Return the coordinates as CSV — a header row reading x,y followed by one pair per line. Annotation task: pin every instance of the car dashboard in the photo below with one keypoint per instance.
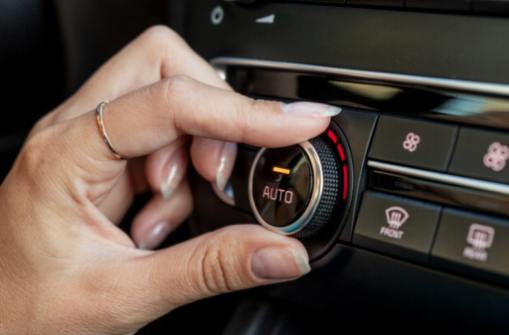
x,y
420,213
402,203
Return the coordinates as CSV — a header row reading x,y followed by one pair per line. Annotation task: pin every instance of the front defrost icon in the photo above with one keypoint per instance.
x,y
395,217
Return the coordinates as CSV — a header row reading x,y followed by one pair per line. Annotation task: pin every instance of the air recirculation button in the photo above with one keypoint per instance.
x,y
297,190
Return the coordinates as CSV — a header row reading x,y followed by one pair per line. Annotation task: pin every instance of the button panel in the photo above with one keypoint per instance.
x,y
411,142
396,226
473,168
473,240
481,154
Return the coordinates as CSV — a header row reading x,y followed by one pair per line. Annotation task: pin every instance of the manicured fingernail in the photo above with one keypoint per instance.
x,y
175,170
155,235
311,109
226,163
280,263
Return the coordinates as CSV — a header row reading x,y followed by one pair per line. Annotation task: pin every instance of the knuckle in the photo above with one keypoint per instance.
x,y
244,114
44,153
260,105
215,279
160,35
35,152
218,267
172,91
44,122
156,33
177,85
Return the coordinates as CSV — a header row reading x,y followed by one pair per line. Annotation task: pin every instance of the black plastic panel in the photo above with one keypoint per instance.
x,y
358,289
406,99
449,5
438,45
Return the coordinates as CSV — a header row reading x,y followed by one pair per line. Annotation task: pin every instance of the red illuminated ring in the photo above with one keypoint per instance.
x,y
344,164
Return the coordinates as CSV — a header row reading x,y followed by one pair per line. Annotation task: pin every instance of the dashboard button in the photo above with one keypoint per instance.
x,y
282,184
297,189
396,226
412,142
473,240
439,4
481,154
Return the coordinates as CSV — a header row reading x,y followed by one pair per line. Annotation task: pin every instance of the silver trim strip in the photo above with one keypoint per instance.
x,y
451,84
481,185
316,194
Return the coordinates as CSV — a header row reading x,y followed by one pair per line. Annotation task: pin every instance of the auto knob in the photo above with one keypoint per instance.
x,y
296,190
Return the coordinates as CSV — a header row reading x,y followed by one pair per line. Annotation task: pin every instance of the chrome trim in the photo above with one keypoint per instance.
x,y
452,84
480,185
316,194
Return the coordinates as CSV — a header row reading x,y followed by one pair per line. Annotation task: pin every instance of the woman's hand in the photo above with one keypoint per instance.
x,y
65,267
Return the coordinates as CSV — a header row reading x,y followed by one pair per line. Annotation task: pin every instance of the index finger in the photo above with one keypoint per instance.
x,y
144,121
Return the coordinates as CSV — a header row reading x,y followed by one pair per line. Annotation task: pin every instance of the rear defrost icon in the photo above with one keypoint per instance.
x,y
480,239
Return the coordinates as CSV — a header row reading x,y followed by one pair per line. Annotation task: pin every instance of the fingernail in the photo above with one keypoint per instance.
x,y
311,109
279,263
175,171
226,163
155,236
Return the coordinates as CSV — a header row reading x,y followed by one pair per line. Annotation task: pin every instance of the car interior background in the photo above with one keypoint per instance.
x,y
403,203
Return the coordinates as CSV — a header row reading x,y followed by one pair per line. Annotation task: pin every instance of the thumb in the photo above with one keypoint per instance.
x,y
229,259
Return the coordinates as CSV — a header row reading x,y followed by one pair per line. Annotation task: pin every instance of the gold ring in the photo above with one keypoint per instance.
x,y
99,113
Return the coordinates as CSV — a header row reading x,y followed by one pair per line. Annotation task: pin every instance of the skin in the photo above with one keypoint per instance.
x,y
65,266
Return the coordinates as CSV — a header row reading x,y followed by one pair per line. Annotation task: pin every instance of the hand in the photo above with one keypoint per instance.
x,y
65,266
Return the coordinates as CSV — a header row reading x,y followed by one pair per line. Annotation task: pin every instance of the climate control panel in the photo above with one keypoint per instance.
x,y
424,129
430,188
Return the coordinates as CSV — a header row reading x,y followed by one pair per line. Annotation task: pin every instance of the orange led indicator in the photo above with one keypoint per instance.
x,y
281,170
